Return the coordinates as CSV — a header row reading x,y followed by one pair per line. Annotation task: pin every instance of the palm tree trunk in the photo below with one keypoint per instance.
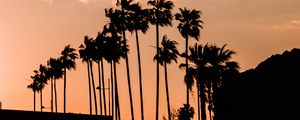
x,y
118,115
34,101
209,100
104,96
186,70
55,95
65,88
198,100
90,93
127,69
157,72
94,89
41,98
140,74
112,89
100,88
51,95
202,98
167,91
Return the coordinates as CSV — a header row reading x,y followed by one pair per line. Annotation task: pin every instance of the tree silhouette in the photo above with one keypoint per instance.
x,y
167,53
199,57
137,20
189,26
86,53
159,15
186,112
54,72
34,86
125,8
68,57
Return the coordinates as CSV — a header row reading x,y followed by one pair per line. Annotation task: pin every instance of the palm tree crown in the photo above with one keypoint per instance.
x,y
189,23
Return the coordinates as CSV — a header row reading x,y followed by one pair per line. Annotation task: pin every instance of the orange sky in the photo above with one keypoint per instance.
x,y
32,31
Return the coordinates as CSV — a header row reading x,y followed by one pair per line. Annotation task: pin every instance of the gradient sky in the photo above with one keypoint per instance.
x,y
32,31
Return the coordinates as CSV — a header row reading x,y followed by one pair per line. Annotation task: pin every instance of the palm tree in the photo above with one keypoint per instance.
x,y
137,20
189,26
100,44
125,8
41,79
186,112
167,53
220,63
116,50
68,57
160,15
54,72
199,57
34,86
86,53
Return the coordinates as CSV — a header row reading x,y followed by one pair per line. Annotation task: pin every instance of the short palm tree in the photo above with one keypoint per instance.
x,y
199,58
34,86
159,15
189,26
41,79
68,57
220,63
54,72
167,53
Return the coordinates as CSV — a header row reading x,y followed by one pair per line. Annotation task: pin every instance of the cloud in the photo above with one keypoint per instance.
x,y
48,1
288,25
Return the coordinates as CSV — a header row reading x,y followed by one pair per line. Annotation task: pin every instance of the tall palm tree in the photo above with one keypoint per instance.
x,y
125,8
54,72
137,20
86,53
189,26
159,15
167,53
68,57
98,58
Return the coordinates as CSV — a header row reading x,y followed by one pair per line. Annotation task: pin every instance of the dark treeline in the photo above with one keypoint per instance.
x,y
269,91
221,91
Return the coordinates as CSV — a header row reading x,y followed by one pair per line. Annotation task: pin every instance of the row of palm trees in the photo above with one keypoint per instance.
x,y
56,68
209,62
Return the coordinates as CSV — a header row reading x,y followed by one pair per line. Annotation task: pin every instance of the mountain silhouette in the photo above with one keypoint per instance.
x,y
269,91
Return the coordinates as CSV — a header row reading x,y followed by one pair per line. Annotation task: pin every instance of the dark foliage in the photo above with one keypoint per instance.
x,y
270,91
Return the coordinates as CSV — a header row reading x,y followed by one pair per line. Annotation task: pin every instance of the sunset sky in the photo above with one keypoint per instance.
x,y
32,31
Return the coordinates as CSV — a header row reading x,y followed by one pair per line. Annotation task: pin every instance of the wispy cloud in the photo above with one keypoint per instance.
x,y
288,25
48,1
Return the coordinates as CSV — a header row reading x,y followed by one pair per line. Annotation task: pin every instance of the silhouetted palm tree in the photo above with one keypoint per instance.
x,y
219,59
54,72
34,86
137,20
189,26
125,8
199,57
167,53
186,112
86,53
41,79
100,44
160,15
68,57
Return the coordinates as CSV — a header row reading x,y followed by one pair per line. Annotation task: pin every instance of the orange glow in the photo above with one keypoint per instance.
x,y
32,31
